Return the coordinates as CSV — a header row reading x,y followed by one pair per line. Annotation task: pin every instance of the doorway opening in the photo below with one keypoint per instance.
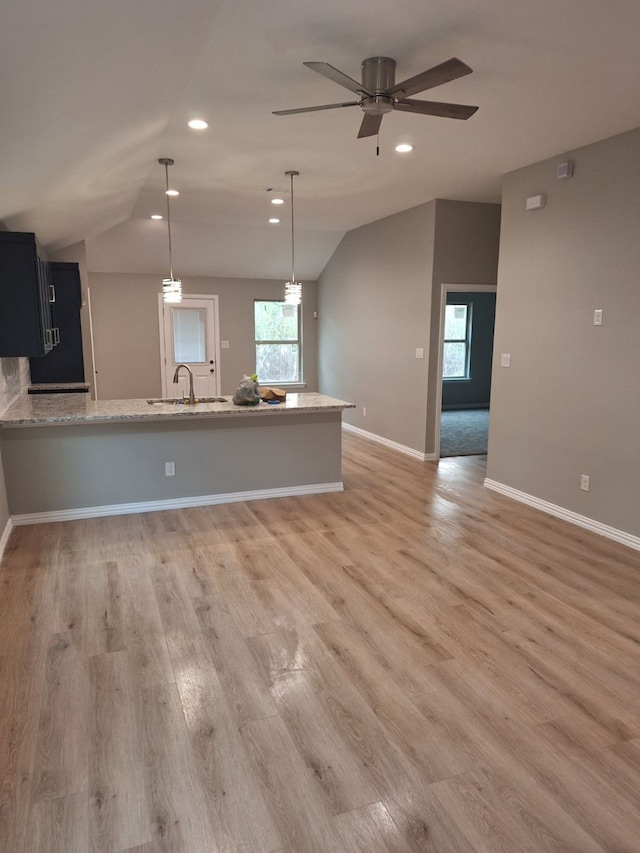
x,y
464,371
189,334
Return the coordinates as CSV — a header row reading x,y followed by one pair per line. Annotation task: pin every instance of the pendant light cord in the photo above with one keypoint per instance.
x,y
166,169
293,251
292,289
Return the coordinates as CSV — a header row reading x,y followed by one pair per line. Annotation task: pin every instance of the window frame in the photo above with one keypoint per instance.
x,y
282,342
466,340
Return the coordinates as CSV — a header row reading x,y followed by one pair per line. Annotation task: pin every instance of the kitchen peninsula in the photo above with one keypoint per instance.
x,y
65,456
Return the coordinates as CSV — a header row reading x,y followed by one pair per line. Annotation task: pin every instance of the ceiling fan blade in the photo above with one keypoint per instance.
x,y
436,76
315,109
338,77
370,125
435,108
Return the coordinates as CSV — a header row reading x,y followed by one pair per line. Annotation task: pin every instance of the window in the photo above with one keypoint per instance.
x,y
189,335
457,341
277,335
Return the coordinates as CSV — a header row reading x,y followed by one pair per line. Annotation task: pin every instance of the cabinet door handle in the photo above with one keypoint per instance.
x,y
56,336
52,295
48,339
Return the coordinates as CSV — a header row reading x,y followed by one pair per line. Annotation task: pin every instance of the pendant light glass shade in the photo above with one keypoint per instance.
x,y
171,287
171,290
293,288
293,292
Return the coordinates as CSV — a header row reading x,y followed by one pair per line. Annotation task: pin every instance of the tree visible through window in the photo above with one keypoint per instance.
x,y
457,339
277,336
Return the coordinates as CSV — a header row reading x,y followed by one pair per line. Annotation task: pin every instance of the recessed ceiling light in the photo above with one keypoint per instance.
x,y
172,192
274,220
156,216
277,201
198,124
404,147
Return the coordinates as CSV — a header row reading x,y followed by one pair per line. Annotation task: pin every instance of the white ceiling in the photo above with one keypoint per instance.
x,y
94,91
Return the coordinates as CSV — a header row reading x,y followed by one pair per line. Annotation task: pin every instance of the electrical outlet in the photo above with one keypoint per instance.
x,y
585,482
597,317
505,359
169,469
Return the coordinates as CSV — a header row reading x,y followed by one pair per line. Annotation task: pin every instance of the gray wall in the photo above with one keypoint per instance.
x,y
570,402
380,299
76,466
374,304
126,331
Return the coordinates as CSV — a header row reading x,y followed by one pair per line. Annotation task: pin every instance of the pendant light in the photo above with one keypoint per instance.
x,y
293,288
171,287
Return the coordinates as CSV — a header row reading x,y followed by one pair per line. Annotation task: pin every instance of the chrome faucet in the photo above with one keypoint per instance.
x,y
192,396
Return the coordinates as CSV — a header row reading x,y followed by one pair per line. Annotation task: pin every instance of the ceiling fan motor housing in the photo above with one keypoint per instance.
x,y
378,73
378,76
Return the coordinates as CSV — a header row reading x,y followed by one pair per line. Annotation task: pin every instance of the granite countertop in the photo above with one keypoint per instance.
x,y
46,410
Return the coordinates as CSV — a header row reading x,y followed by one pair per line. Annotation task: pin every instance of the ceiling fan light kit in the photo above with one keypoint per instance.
x,y
379,94
171,287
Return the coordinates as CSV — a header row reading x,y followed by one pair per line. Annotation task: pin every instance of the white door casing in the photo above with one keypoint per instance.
x,y
189,334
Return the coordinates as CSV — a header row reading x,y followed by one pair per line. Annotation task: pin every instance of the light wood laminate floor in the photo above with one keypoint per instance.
x,y
417,664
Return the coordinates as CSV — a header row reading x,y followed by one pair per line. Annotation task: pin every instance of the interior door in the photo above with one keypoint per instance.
x,y
190,336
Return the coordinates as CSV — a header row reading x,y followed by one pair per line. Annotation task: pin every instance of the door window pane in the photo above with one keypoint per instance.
x,y
189,335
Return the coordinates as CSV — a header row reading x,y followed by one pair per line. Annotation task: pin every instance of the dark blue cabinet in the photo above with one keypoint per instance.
x,y
26,295
64,364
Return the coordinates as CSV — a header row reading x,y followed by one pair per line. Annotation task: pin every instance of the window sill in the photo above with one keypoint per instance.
x,y
457,379
289,386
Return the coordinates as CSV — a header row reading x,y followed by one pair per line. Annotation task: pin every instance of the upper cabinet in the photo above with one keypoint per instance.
x,y
64,364
26,297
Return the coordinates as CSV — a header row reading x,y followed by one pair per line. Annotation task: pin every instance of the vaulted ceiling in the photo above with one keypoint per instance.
x,y
93,92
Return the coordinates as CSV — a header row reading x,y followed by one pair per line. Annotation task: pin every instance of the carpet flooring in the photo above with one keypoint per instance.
x,y
464,432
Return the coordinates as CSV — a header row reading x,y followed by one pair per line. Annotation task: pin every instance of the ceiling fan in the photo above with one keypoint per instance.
x,y
379,93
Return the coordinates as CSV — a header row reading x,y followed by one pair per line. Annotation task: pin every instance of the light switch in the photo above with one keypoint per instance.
x,y
505,359
419,352
597,317
224,344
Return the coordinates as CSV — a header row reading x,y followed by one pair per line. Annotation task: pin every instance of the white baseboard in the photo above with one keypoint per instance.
x,y
177,503
566,514
401,448
5,536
